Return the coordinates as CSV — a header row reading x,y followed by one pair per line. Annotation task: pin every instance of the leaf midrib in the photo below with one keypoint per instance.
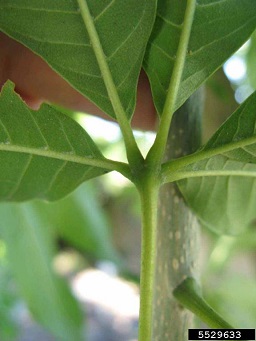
x,y
208,173
70,157
203,154
38,9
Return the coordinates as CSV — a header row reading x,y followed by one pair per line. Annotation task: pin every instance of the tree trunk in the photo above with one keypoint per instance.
x,y
177,232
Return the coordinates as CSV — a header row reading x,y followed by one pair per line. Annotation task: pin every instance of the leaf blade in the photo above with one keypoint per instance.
x,y
225,203
44,154
233,197
210,32
56,32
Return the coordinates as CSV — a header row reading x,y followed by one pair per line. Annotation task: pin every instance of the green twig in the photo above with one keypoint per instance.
x,y
156,153
149,196
189,295
133,153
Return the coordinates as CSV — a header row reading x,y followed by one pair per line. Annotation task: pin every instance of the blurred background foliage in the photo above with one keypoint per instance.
x,y
44,245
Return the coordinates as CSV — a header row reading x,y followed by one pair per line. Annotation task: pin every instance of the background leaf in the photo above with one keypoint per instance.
x,y
219,29
56,32
81,221
232,297
30,250
8,299
36,150
251,61
226,203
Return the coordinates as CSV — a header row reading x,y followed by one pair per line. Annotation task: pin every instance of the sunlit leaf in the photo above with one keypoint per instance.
x,y
30,251
224,194
219,29
55,31
43,153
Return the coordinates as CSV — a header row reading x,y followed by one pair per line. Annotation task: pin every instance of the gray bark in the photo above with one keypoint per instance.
x,y
178,231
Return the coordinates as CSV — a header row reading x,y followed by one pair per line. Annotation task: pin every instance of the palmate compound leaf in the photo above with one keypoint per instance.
x,y
42,153
221,189
220,27
55,31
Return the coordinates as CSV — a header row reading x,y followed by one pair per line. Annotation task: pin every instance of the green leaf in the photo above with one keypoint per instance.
x,y
44,154
81,221
221,185
219,29
30,250
224,203
250,62
8,299
237,136
55,31
233,296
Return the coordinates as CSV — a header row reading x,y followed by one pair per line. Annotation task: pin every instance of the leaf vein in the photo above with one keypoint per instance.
x,y
39,129
179,26
55,176
104,10
250,152
81,179
127,38
6,131
213,3
192,53
153,70
52,42
172,58
38,9
125,78
73,151
23,172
